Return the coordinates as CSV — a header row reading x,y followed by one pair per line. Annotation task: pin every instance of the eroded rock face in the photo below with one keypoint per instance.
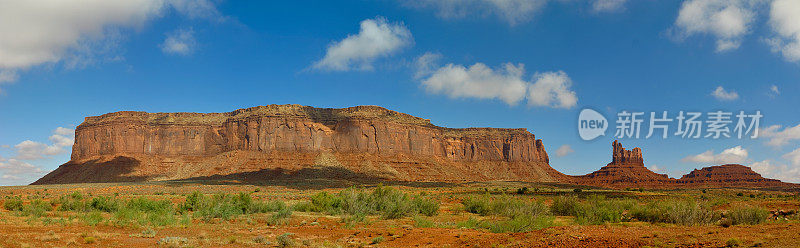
x,y
733,175
186,145
625,170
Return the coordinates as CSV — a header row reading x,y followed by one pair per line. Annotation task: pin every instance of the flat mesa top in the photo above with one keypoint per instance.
x,y
321,115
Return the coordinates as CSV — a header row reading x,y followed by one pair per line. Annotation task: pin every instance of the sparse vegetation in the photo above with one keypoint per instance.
x,y
748,215
388,202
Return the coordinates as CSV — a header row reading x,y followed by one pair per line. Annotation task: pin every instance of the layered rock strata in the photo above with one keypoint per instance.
x,y
364,141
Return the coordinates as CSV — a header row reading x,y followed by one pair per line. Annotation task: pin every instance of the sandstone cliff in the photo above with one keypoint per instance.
x,y
270,141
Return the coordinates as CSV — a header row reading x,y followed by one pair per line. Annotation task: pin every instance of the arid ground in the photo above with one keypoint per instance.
x,y
339,214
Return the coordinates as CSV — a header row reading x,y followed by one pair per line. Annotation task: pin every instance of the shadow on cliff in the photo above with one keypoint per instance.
x,y
94,171
307,178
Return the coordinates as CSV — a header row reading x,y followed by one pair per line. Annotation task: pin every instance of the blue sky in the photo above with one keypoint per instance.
x,y
512,63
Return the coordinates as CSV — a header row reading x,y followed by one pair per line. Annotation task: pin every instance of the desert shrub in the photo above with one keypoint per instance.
x,y
598,210
422,222
388,202
565,206
377,240
267,206
36,208
280,216
192,202
522,215
675,212
285,240
92,218
72,202
747,215
104,204
143,211
504,206
13,204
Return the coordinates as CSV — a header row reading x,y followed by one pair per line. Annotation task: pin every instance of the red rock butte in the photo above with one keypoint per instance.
x,y
274,141
627,169
371,143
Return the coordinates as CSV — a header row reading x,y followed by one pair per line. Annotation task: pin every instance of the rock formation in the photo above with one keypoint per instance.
x,y
731,175
625,170
265,142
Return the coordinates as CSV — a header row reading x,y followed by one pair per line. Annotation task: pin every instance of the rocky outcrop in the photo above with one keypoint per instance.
x,y
625,170
363,140
731,175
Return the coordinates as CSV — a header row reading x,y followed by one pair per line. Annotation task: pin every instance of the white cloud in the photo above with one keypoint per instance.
x,y
777,170
505,83
512,11
793,157
426,64
721,94
552,89
180,42
8,76
734,155
479,81
608,5
75,31
778,137
774,90
785,22
376,38
727,20
61,139
656,168
564,150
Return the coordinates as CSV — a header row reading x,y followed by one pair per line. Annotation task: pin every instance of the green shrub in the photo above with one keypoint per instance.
x,y
388,202
504,206
36,208
267,206
280,216
747,215
92,218
285,240
71,202
520,224
565,206
598,210
13,204
104,204
675,212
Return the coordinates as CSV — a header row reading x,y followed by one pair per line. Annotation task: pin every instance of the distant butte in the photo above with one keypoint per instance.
x,y
367,143
627,170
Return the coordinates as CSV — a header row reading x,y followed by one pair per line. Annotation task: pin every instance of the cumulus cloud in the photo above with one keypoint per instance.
x,y
785,22
727,20
793,157
52,32
777,137
511,11
552,89
734,155
61,139
564,150
721,94
179,42
774,90
376,38
505,83
777,170
608,5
